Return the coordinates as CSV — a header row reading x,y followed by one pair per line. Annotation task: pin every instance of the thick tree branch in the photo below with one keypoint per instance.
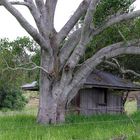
x,y
25,24
112,47
40,5
115,50
116,20
88,21
81,10
69,46
50,8
39,20
85,36
34,11
36,15
19,3
44,16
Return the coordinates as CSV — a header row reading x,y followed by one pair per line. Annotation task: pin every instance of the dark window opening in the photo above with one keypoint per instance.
x,y
103,98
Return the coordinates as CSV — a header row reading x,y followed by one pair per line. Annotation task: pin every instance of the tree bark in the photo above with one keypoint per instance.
x,y
51,108
52,112
61,113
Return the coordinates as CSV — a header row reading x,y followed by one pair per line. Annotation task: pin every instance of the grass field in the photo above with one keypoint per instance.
x,y
15,125
105,127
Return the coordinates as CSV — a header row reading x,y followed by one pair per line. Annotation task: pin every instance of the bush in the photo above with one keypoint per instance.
x,y
11,98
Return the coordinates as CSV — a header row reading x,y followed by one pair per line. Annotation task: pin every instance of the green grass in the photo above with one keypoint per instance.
x,y
15,125
104,127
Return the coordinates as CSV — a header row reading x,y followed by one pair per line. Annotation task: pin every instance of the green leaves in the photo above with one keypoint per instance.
x,y
11,98
107,8
17,53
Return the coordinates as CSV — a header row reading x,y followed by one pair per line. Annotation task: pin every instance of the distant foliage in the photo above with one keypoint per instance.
x,y
14,56
11,98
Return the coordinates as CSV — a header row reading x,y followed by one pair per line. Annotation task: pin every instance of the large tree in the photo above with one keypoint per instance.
x,y
61,76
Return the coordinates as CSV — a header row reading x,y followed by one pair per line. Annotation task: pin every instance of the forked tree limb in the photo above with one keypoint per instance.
x,y
109,23
80,49
41,6
81,10
69,46
87,23
85,36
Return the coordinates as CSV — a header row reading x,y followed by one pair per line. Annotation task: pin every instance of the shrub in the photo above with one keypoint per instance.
x,y
11,98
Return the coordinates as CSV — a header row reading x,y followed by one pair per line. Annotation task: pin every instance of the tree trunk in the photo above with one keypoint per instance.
x,y
61,113
51,109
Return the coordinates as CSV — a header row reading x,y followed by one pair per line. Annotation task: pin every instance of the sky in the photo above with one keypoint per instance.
x,y
11,29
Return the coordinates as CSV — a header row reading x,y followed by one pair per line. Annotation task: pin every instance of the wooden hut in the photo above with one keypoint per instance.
x,y
103,93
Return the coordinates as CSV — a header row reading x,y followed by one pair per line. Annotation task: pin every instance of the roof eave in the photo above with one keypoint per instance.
x,y
89,85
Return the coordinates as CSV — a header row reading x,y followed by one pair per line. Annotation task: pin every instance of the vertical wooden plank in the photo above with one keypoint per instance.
x,y
114,103
108,101
94,100
89,101
111,103
83,102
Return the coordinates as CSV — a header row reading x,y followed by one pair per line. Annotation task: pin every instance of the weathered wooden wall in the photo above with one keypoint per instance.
x,y
114,103
93,101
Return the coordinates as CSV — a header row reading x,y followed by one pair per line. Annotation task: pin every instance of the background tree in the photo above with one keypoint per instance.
x,y
61,76
14,58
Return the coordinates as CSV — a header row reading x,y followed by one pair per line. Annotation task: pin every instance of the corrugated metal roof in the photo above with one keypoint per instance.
x,y
107,80
30,86
99,79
